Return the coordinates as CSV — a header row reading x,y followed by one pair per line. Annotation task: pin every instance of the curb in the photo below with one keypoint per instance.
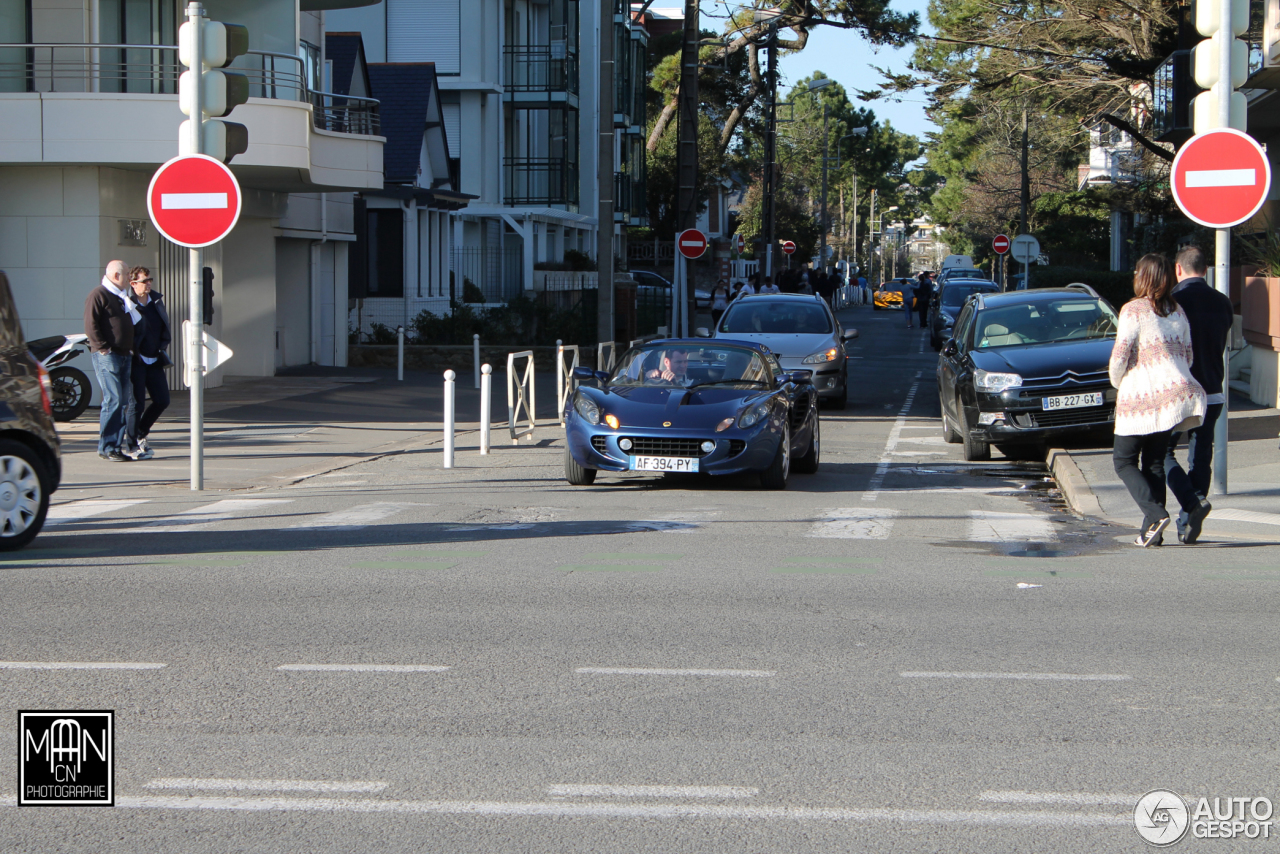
x,y
1071,481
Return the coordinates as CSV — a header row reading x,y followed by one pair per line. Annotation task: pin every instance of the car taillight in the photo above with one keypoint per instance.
x,y
46,389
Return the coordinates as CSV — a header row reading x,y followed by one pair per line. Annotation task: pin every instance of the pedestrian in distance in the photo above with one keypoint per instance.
x,y
719,301
109,318
924,293
1156,394
769,287
908,299
152,338
1210,316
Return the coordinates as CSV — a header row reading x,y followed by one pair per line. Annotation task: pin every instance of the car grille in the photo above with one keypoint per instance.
x,y
1068,380
644,446
736,446
799,411
600,443
1066,417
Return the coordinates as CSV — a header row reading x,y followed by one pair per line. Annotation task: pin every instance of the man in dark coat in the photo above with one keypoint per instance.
x,y
1210,315
152,338
109,318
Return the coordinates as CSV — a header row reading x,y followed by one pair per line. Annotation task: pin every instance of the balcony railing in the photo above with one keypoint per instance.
x,y
541,181
154,70
541,68
1171,99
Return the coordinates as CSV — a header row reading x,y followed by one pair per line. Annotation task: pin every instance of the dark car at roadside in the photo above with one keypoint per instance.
x,y
30,452
947,302
1023,367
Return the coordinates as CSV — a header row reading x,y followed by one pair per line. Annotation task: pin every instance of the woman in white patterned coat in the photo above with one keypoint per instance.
x,y
1151,368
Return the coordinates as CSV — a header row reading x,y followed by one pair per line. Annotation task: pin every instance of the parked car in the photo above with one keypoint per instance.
x,y
801,331
701,296
1025,366
946,305
693,406
30,452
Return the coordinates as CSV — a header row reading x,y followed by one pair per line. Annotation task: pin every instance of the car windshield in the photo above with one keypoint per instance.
x,y
1044,322
688,365
776,316
954,295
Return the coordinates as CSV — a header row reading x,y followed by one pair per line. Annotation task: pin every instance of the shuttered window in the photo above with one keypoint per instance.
x,y
425,31
452,128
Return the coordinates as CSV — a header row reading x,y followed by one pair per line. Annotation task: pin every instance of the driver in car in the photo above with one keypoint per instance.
x,y
674,370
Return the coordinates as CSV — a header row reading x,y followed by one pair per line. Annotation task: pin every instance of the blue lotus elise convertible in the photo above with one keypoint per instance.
x,y
693,405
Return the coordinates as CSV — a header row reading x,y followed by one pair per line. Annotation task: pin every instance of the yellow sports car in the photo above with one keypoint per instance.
x,y
889,294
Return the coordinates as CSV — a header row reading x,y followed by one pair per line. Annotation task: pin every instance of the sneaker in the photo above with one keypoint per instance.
x,y
117,457
142,452
1195,521
1153,535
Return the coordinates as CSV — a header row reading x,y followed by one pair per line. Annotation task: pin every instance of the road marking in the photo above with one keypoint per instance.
x,y
1221,178
79,665
203,517
1229,515
263,785
990,526
1050,677
193,201
560,809
366,668
355,518
73,511
709,792
1079,799
668,671
855,523
882,468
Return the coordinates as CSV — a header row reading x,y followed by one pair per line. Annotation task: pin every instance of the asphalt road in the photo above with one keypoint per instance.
x,y
903,652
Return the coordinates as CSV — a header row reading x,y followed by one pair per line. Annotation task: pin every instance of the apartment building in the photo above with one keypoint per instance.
x,y
89,110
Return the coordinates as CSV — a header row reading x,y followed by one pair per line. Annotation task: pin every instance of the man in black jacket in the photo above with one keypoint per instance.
x,y
1211,316
109,317
152,338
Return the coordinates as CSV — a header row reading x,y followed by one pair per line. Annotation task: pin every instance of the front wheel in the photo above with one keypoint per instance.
x,y
975,450
577,475
71,393
808,464
24,496
775,476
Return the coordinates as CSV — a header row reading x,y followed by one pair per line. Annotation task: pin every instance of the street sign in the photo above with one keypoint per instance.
x,y
692,243
1221,178
194,200
789,246
215,352
740,244
1000,244
1026,249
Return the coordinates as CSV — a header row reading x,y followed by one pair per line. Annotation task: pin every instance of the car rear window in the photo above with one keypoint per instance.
x,y
780,317
954,295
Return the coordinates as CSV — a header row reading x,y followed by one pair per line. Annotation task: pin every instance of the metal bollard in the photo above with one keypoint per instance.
x,y
486,382
475,356
449,377
400,353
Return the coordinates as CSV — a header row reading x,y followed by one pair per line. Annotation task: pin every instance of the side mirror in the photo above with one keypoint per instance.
x,y
802,377
701,332
848,335
584,374
603,376
950,347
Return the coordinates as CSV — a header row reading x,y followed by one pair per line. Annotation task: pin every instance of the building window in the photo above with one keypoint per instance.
x,y
386,252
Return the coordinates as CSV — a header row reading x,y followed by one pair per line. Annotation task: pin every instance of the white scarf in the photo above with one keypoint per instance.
x,y
134,315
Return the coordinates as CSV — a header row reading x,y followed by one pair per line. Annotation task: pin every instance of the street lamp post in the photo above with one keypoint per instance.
x,y
814,86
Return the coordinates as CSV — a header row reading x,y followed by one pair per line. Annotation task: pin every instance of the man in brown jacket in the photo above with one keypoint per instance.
x,y
109,316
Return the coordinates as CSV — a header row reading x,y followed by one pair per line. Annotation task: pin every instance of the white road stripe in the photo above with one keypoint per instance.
x,y
79,665
989,526
193,201
1229,515
1050,677
855,523
263,785
1075,799
1222,177
209,514
560,809
882,468
354,518
668,671
708,792
73,511
368,668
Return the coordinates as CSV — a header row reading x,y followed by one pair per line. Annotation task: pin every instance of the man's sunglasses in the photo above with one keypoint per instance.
x,y
141,281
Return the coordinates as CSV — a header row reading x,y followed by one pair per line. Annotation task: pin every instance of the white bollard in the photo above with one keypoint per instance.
x,y
449,377
475,356
486,382
560,376
400,353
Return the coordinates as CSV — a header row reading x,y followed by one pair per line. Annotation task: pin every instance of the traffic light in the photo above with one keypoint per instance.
x,y
205,47
206,293
1206,62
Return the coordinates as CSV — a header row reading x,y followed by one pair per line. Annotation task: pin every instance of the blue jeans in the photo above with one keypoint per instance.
x,y
112,370
1191,487
906,304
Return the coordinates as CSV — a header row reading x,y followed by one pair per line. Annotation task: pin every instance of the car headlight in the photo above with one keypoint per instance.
x,y
586,408
753,414
990,381
820,358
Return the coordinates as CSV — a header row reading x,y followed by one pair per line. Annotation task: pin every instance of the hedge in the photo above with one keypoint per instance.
x,y
1115,286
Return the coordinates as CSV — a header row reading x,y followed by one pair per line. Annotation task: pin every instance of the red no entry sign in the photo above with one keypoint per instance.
x,y
740,244
692,243
1000,244
194,200
789,246
1221,178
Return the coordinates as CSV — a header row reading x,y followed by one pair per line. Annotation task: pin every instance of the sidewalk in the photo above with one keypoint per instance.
x,y
1250,510
270,431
